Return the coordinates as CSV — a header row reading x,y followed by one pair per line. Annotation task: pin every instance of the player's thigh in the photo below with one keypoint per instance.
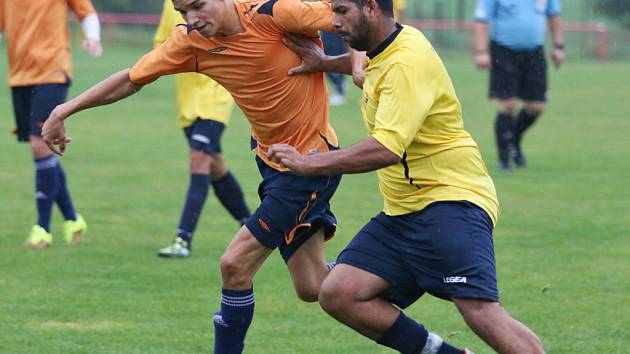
x,y
377,250
243,256
45,98
21,97
353,283
293,208
308,263
533,86
504,73
450,251
205,135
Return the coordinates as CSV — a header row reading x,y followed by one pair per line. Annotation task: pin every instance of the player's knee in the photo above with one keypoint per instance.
x,y
534,111
479,313
307,292
234,273
334,298
217,167
39,148
508,106
199,162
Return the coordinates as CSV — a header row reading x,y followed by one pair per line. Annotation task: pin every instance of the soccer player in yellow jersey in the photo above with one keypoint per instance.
x,y
204,111
435,232
238,43
40,72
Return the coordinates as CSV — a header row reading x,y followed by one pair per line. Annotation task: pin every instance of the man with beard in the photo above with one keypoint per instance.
x,y
440,206
238,44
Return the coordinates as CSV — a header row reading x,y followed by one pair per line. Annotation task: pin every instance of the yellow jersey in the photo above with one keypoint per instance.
x,y
409,105
198,96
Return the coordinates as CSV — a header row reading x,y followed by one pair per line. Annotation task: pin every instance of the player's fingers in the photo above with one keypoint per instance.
x,y
297,70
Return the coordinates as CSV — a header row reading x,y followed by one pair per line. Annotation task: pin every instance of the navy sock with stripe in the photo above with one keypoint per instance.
x,y
46,188
63,197
232,322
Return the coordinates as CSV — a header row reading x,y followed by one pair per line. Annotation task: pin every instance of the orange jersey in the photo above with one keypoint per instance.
x,y
38,39
252,66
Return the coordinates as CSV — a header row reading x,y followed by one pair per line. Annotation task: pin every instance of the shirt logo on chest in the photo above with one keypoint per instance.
x,y
217,49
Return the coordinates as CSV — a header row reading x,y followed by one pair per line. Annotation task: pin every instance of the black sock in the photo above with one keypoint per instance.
x,y
504,135
229,193
405,335
524,120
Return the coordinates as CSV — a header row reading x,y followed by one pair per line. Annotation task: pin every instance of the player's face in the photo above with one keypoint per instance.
x,y
205,16
351,23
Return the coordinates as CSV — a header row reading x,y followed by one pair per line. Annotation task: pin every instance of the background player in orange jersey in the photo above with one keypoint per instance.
x,y
40,72
238,43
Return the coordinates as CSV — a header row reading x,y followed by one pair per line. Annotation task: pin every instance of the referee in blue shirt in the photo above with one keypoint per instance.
x,y
509,38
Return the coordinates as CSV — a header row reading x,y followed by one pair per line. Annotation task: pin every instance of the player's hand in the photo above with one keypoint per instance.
x,y
482,60
287,156
54,132
359,63
312,55
558,55
93,47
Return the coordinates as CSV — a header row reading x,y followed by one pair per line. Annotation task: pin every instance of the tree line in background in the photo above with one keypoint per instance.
x,y
129,6
617,9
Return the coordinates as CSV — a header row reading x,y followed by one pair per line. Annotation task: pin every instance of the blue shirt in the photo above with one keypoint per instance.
x,y
517,24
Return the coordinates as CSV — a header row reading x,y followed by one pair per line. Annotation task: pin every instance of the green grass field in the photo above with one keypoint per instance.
x,y
565,227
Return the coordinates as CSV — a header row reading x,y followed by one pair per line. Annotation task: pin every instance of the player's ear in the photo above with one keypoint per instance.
x,y
370,7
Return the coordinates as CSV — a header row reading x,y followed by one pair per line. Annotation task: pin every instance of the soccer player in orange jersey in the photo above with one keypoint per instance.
x,y
238,43
40,72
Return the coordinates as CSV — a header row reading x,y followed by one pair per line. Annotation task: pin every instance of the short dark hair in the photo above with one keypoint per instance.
x,y
387,6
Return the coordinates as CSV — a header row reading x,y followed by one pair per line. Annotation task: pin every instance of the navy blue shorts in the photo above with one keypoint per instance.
x,y
32,106
521,74
292,209
205,134
445,250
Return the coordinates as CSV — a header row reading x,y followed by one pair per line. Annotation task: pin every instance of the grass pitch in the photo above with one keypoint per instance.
x,y
561,243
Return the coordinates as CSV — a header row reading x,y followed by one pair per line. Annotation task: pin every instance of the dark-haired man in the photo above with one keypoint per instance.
x,y
435,232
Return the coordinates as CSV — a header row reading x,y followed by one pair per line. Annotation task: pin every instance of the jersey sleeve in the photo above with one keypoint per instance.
x,y
81,8
405,100
170,18
175,55
1,16
553,8
302,17
484,10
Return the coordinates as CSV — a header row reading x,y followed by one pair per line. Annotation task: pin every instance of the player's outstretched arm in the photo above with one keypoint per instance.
x,y
313,57
367,155
110,90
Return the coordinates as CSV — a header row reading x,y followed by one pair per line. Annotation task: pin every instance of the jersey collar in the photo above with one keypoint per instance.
x,y
384,44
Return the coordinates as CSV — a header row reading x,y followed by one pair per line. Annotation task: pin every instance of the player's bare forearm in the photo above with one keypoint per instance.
x,y
368,155
555,28
340,64
480,36
110,90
